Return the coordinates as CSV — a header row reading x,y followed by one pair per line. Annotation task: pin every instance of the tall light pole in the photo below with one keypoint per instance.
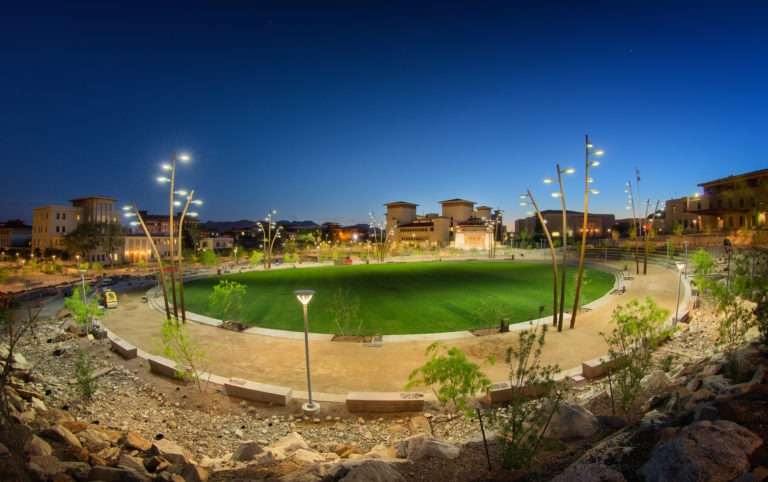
x,y
85,300
304,297
184,213
551,249
589,151
161,276
680,268
380,235
268,237
648,228
561,195
634,225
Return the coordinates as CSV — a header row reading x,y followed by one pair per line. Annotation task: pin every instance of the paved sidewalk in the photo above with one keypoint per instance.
x,y
340,367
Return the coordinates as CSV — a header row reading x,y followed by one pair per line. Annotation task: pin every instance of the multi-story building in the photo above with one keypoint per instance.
x,y
736,203
51,223
459,225
687,213
598,225
15,235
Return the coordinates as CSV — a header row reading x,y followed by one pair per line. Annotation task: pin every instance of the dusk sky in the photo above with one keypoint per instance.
x,y
325,111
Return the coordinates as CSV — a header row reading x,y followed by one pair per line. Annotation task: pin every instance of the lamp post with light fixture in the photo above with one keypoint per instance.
x,y
153,245
268,237
589,151
551,249
564,237
184,213
634,225
304,297
172,180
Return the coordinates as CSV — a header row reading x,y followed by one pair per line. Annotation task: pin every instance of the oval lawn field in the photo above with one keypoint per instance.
x,y
399,298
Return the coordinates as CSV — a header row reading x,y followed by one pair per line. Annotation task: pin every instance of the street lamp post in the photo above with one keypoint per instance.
x,y
268,238
304,297
184,213
561,195
634,226
680,268
551,249
85,300
587,164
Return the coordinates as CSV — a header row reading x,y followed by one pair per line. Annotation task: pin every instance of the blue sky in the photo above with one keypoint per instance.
x,y
325,111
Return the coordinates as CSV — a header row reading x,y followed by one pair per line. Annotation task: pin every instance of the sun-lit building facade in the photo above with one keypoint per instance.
x,y
459,225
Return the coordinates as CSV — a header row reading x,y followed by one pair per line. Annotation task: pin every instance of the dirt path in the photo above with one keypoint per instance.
x,y
339,367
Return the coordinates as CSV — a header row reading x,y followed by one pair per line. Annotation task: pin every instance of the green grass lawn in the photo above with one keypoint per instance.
x,y
399,298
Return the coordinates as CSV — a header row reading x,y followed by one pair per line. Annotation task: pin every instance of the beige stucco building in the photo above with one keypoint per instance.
x,y
51,223
598,225
459,225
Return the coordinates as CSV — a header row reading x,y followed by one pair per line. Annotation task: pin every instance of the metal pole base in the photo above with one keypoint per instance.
x,y
310,409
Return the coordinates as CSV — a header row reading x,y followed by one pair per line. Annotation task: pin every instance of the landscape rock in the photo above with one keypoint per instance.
x,y
114,474
703,451
133,440
37,446
424,446
60,434
372,471
171,452
589,473
247,451
574,421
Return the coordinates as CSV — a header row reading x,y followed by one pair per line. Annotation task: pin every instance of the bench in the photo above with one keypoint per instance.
x,y
503,392
123,348
162,366
597,367
385,401
258,392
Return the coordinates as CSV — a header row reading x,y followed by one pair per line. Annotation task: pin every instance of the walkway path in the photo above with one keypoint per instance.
x,y
339,367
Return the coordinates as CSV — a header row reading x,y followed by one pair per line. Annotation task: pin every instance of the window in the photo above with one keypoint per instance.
x,y
57,215
57,229
63,215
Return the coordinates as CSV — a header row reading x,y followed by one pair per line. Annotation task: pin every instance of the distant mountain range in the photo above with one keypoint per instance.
x,y
246,224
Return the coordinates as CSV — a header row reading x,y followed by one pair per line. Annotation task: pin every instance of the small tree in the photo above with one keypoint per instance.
x,y
631,344
457,378
702,262
256,257
227,299
489,313
345,312
83,311
191,360
522,424
209,258
84,375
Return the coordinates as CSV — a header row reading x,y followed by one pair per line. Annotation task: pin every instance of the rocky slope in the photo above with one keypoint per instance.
x,y
695,421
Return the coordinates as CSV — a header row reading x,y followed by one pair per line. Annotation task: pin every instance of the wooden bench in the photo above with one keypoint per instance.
x,y
385,401
123,348
162,366
258,392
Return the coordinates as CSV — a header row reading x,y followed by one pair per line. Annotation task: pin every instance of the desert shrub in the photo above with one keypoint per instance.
x,y
637,331
86,384
521,425
457,379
